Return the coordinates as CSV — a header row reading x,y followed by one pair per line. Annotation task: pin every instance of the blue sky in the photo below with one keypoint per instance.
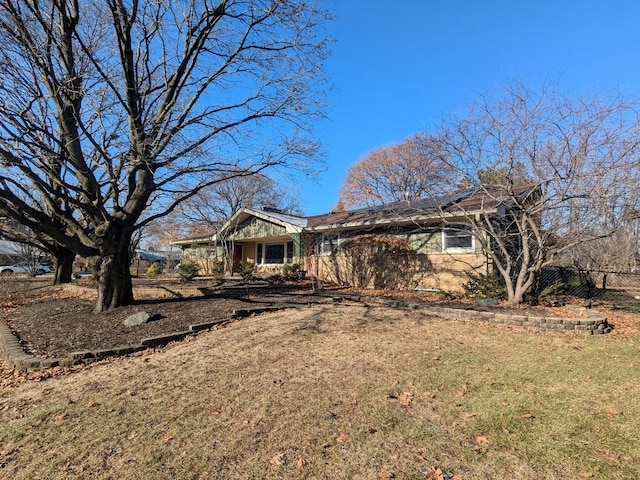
x,y
397,66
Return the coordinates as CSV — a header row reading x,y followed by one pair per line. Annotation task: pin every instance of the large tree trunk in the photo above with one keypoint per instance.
x,y
64,259
111,270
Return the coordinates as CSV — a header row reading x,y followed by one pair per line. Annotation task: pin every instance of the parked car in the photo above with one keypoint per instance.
x,y
44,267
83,274
27,268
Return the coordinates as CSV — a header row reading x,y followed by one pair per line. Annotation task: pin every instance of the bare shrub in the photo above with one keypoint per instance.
x,y
379,261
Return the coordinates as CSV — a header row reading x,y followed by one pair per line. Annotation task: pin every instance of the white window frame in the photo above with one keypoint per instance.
x,y
453,226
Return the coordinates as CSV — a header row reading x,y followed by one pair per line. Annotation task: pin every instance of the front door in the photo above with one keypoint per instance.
x,y
237,256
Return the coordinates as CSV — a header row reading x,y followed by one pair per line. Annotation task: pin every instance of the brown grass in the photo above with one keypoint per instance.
x,y
340,392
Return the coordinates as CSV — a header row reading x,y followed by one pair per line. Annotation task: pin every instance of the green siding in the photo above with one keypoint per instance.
x,y
429,241
297,245
257,228
203,251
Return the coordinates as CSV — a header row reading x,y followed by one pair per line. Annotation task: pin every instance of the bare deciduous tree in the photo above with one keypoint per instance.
x,y
580,155
63,258
112,113
405,171
213,206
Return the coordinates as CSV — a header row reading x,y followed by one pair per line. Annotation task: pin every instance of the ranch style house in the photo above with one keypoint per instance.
x,y
435,232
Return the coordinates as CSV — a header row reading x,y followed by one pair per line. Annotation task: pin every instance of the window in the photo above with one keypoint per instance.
x,y
458,238
289,258
274,253
329,243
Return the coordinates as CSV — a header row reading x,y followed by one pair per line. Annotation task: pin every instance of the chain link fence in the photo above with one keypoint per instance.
x,y
589,283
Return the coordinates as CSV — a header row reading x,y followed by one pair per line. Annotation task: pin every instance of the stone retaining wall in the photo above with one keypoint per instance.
x,y
590,323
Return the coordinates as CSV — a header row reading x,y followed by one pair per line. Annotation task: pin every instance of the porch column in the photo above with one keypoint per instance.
x,y
297,246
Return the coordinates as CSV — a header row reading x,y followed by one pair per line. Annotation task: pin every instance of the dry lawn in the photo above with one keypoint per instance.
x,y
337,392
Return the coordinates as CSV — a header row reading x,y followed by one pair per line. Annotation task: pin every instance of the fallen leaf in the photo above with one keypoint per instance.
x,y
278,460
467,415
405,399
92,404
481,442
168,439
527,415
342,438
300,463
457,477
612,457
62,416
614,411
434,473
386,474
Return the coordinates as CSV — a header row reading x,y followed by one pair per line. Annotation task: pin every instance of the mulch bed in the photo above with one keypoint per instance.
x,y
51,323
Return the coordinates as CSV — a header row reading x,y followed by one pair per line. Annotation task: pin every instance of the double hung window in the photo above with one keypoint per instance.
x,y
458,238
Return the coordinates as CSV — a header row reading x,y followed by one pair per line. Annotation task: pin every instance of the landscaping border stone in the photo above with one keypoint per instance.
x,y
591,323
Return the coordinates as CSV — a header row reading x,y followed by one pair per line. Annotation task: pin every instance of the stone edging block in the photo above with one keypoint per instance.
x,y
593,322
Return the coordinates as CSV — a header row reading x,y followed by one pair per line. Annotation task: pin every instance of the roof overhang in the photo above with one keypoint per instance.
x,y
291,224
189,241
417,219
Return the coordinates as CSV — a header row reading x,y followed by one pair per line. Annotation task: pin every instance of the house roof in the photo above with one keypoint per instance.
x,y
212,237
454,204
387,213
10,248
447,205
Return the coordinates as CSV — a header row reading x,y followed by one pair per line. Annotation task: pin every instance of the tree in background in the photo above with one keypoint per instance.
x,y
409,170
579,156
213,206
113,113
63,257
